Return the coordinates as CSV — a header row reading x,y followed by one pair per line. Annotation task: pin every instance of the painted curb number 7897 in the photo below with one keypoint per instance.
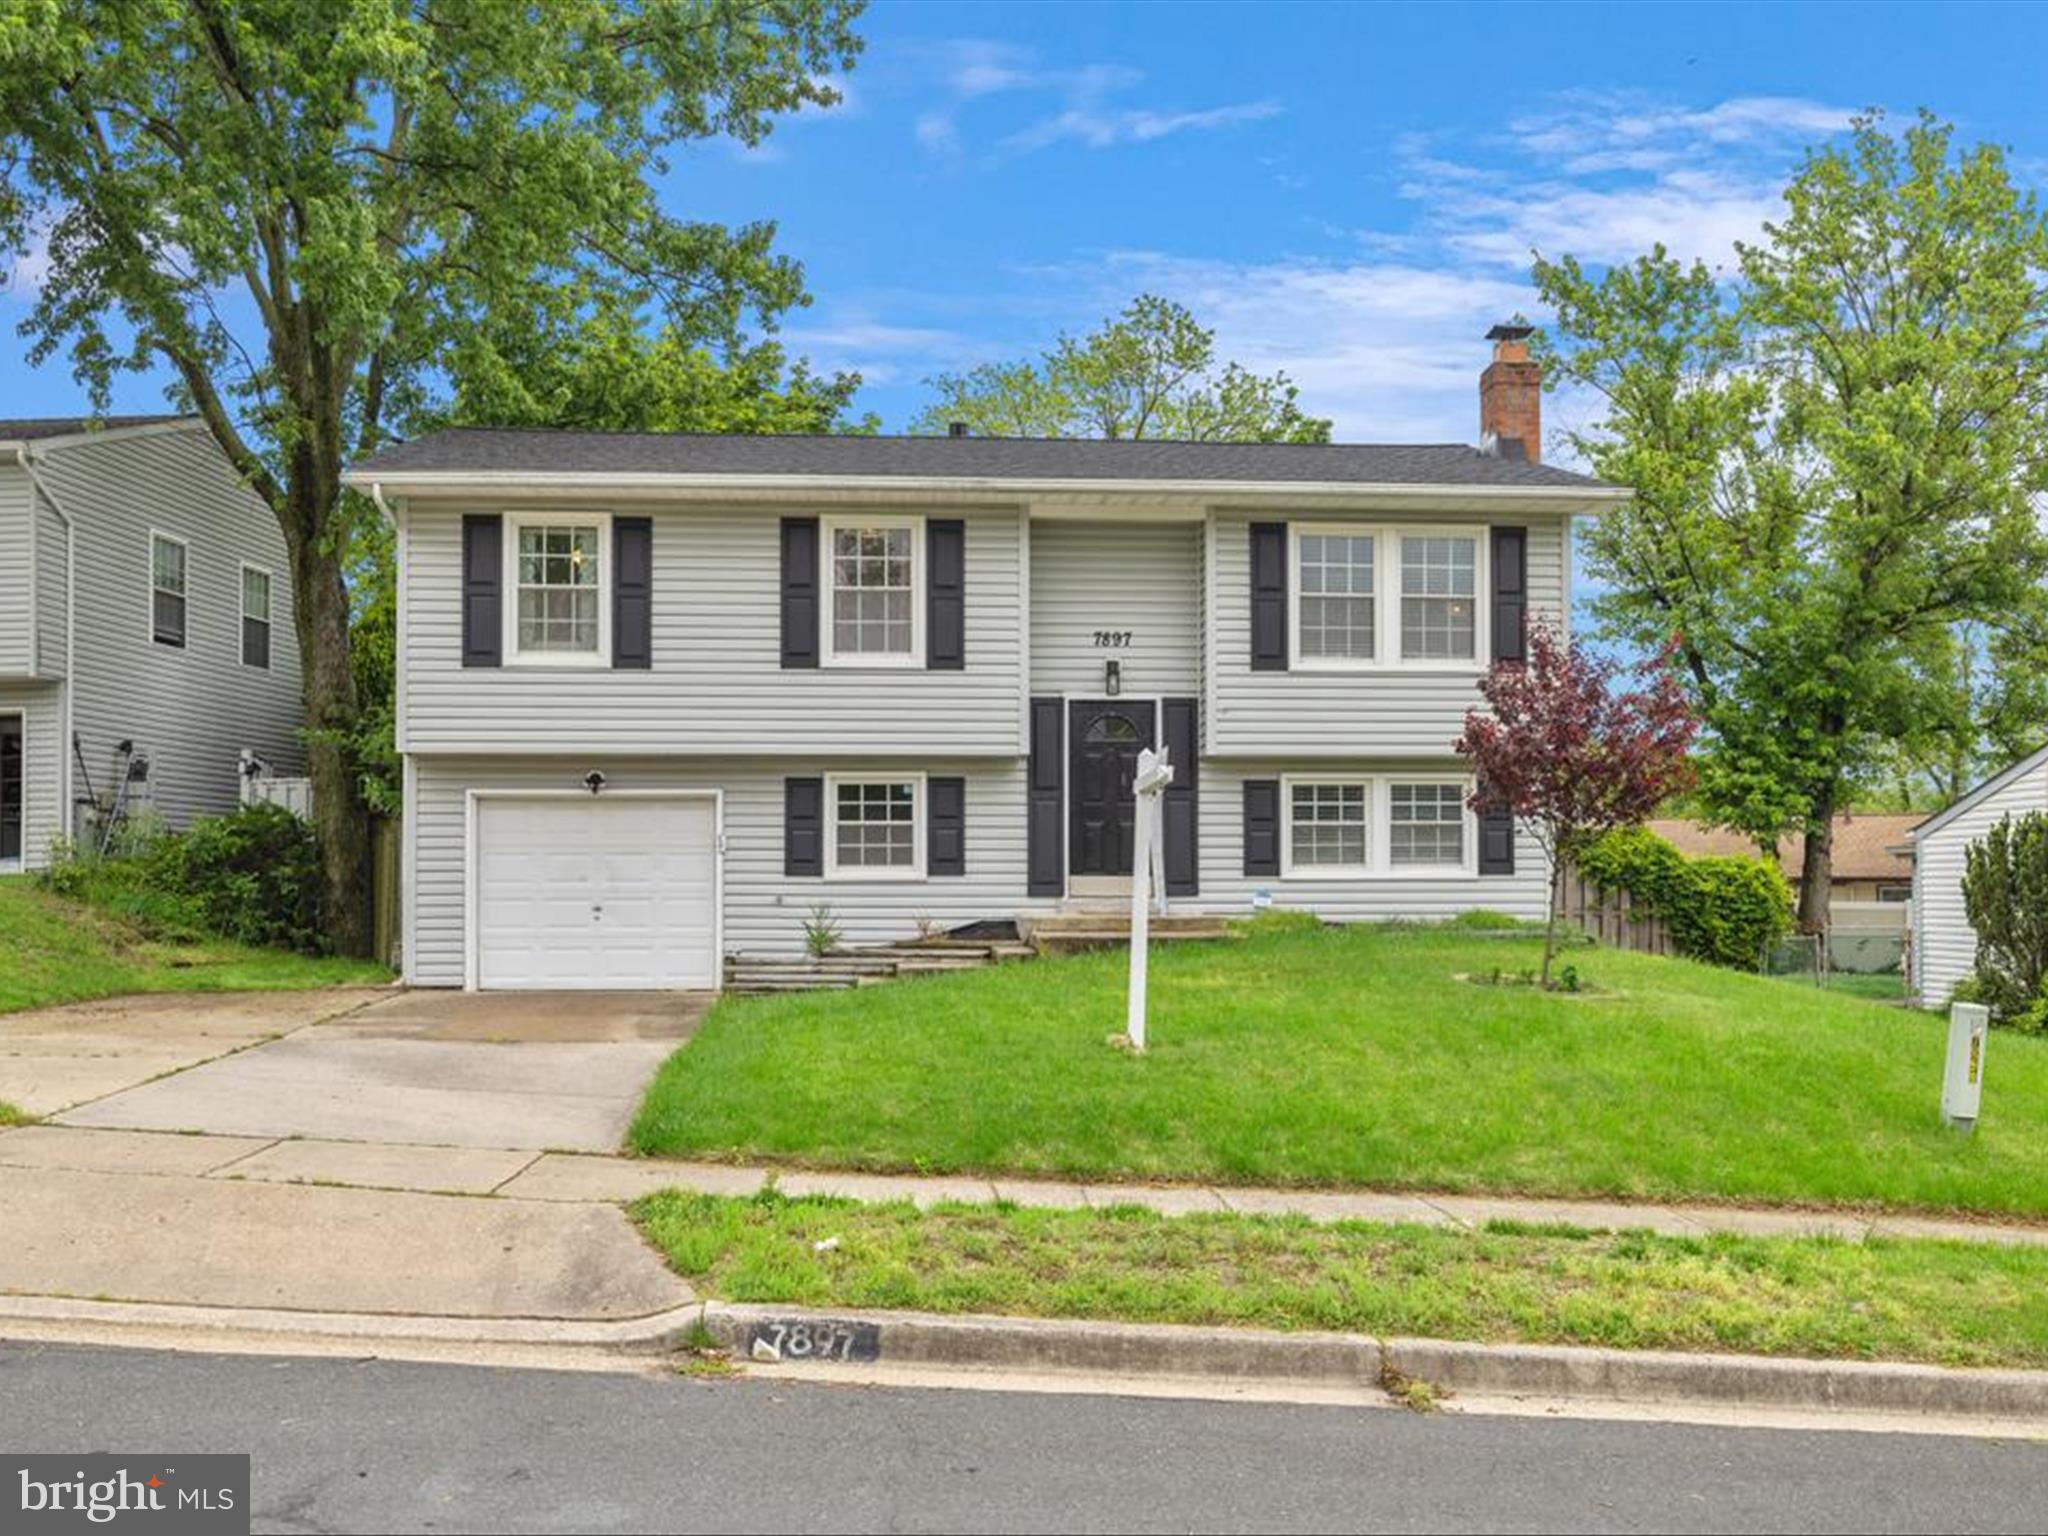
x,y
824,1340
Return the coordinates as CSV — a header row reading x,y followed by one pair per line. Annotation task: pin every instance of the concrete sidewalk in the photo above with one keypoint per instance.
x,y
550,1178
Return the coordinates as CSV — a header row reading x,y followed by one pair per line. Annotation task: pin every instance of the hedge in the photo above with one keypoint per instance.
x,y
1722,910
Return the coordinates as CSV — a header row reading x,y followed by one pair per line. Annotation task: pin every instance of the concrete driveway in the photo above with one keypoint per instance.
x,y
541,1071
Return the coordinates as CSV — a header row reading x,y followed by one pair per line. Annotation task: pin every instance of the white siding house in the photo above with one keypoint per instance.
x,y
1944,946
145,616
663,696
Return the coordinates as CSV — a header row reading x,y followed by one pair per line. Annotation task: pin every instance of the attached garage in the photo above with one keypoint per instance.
x,y
609,891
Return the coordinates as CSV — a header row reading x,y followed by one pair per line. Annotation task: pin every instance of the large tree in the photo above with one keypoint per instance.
x,y
1149,372
300,206
1834,456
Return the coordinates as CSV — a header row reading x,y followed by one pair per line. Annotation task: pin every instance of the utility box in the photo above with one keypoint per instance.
x,y
1962,1085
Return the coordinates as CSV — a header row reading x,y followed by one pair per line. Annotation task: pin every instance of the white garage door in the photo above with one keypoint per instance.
x,y
615,892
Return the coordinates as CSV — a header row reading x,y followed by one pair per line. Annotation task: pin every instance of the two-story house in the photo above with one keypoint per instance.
x,y
146,637
660,696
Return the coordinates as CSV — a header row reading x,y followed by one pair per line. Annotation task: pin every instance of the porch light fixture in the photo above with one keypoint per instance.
x,y
1112,678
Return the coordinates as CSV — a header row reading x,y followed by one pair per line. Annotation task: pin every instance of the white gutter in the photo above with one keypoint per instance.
x,y
67,810
544,482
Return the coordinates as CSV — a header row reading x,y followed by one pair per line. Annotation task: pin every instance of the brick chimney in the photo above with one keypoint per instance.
x,y
1511,396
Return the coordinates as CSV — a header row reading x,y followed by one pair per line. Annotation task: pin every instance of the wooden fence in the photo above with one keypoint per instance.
x,y
1612,917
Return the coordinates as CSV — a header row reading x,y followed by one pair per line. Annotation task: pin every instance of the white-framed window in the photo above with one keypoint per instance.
x,y
873,582
1373,826
167,587
1328,826
1335,569
874,826
1426,824
1367,595
558,577
255,616
1439,597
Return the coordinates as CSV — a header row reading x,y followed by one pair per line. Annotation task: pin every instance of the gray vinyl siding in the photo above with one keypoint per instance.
x,y
717,685
17,563
193,709
764,911
49,654
1944,944
1144,578
1393,710
41,706
1226,888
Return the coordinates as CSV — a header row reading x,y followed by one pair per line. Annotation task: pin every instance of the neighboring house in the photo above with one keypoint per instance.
x,y
661,696
1871,859
1944,944
145,628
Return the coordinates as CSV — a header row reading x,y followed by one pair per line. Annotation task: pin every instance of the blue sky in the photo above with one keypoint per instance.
x,y
1346,192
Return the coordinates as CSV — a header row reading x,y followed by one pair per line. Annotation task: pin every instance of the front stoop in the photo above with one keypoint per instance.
x,y
1090,927
867,965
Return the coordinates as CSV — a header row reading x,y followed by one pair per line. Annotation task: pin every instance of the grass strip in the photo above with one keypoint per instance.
x,y
1945,1303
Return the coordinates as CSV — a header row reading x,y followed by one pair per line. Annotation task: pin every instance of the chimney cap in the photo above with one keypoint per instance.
x,y
1511,330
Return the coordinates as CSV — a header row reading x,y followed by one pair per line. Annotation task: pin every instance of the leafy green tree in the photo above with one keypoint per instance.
x,y
1834,458
302,208
1150,372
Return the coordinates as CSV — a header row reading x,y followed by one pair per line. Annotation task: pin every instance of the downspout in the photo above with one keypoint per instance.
x,y
68,810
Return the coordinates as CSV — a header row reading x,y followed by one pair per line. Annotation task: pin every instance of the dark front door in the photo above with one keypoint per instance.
x,y
1104,739
10,787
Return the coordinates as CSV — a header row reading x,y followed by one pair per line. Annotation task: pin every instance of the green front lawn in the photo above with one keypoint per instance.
x,y
1948,1303
58,951
1353,1056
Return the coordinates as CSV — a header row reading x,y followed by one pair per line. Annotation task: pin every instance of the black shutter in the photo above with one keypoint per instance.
x,y
483,574
1496,842
945,828
799,591
1262,827
803,827
1046,871
1269,597
945,594
1179,720
1510,593
633,592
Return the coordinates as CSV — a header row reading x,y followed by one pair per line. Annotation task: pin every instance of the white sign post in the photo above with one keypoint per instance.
x,y
1148,869
1962,1085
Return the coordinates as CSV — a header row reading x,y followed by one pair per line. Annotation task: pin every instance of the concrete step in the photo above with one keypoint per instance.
x,y
1065,940
1203,924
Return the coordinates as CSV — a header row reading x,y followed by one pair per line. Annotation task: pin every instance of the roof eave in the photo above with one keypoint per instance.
x,y
1593,497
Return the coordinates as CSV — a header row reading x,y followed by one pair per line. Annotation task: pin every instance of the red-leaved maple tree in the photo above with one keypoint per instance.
x,y
1572,755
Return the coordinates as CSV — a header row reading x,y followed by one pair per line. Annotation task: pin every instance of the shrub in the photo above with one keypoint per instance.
x,y
1721,910
253,876
2005,897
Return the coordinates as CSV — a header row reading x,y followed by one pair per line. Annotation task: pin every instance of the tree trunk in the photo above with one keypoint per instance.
x,y
321,608
1817,863
1550,918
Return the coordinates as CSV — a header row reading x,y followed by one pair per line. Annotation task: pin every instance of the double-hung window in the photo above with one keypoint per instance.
x,y
877,827
1439,597
1371,825
255,616
873,583
560,614
167,589
1368,596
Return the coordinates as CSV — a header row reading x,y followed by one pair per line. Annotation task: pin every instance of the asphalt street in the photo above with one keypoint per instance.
x,y
366,1446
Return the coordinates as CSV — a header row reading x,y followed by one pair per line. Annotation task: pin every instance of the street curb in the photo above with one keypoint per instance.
x,y
1154,1351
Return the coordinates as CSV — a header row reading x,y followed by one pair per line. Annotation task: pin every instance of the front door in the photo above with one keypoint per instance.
x,y
1105,737
10,788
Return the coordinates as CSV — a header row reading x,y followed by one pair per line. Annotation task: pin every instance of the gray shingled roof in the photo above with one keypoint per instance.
x,y
21,429
493,450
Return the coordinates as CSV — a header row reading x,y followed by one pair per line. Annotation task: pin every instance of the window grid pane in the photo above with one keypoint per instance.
x,y
1336,596
1328,825
875,825
255,594
871,591
559,587
167,566
1426,824
1439,608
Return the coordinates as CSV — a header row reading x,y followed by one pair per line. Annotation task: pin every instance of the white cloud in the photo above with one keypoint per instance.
x,y
974,70
22,281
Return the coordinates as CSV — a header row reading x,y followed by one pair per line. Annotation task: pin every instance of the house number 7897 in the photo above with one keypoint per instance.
x,y
1112,639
